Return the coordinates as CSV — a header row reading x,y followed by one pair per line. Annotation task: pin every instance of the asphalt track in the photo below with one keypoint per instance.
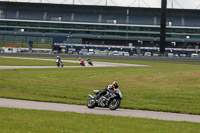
x,y
23,104
96,64
11,103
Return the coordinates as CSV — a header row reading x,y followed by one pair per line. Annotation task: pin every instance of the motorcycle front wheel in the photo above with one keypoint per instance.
x,y
91,103
114,104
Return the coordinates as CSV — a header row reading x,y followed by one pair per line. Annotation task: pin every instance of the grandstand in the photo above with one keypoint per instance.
x,y
98,25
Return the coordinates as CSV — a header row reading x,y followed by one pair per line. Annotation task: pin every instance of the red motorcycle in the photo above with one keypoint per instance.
x,y
82,63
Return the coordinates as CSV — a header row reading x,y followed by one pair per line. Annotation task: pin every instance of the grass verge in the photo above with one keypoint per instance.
x,y
30,121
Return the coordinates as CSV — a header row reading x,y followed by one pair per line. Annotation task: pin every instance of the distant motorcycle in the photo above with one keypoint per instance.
x,y
111,100
59,63
90,62
82,63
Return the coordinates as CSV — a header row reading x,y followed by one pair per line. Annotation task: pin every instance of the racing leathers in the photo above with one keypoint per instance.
x,y
109,88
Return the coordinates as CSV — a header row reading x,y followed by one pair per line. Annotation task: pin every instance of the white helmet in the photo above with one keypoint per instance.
x,y
58,56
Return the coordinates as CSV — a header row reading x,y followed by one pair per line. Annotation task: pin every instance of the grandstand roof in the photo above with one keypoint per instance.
x,y
96,9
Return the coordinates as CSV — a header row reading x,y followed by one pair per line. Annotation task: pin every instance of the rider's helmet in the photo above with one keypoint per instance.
x,y
79,58
88,58
115,84
58,56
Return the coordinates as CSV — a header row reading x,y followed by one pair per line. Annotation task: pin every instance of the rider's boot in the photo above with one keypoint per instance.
x,y
98,95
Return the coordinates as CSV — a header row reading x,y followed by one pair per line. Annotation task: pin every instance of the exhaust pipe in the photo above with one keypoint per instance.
x,y
91,96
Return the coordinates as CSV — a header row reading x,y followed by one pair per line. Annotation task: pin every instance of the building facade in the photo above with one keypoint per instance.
x,y
98,25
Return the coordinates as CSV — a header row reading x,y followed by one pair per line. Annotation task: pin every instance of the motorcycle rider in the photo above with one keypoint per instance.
x,y
58,61
58,58
89,61
81,62
109,88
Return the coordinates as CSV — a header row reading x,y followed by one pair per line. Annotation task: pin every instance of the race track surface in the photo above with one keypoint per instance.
x,y
96,64
23,104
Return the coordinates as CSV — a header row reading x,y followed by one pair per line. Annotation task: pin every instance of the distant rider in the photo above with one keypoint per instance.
x,y
81,62
89,61
58,61
109,88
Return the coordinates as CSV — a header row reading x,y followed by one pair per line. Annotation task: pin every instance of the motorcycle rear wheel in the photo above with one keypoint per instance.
x,y
91,103
114,104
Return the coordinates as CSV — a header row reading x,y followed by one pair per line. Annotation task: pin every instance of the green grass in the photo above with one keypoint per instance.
x,y
34,121
163,86
29,62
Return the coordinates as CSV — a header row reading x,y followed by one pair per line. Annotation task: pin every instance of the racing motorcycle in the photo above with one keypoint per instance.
x,y
82,63
59,63
110,100
89,62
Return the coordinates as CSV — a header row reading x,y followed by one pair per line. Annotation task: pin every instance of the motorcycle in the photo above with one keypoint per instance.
x,y
82,63
110,100
90,62
59,63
